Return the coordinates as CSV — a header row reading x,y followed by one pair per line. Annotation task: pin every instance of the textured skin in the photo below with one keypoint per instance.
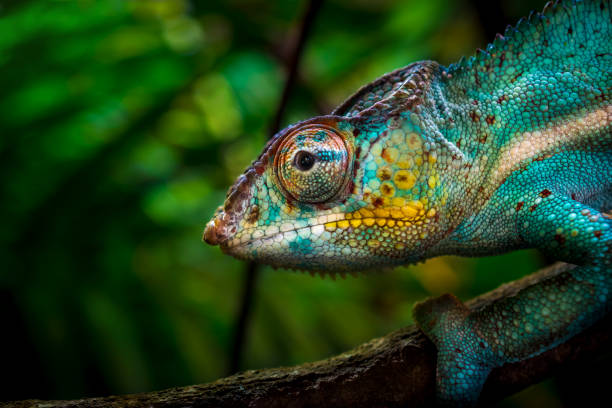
x,y
509,149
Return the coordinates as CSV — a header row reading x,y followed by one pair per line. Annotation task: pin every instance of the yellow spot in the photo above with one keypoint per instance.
x,y
384,173
390,223
356,214
368,222
373,243
431,182
355,223
399,246
381,212
404,164
396,213
348,216
404,179
432,157
414,141
381,221
366,213
387,189
409,211
343,224
378,201
400,223
390,154
398,201
352,242
330,226
405,161
431,213
418,161
416,204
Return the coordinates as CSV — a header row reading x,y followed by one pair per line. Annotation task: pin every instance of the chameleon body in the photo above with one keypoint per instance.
x,y
509,149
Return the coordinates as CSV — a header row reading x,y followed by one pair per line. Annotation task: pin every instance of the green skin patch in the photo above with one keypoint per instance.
x,y
509,149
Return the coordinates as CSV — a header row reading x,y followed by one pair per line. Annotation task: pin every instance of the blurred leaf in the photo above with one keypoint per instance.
x,y
218,106
183,34
182,201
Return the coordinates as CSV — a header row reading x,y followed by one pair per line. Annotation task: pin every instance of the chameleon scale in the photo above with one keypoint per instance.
x,y
509,149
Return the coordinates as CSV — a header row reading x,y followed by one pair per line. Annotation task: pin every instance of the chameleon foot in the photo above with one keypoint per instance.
x,y
464,358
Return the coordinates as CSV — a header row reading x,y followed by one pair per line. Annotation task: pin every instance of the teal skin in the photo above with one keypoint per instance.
x,y
506,150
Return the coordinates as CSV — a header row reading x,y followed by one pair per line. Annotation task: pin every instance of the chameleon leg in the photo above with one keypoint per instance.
x,y
464,357
537,318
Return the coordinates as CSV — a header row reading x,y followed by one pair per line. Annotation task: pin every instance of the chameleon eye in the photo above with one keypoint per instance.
x,y
312,163
304,160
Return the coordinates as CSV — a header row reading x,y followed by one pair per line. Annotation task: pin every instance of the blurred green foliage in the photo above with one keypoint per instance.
x,y
122,124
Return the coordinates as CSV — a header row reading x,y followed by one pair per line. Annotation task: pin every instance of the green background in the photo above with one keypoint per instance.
x,y
122,124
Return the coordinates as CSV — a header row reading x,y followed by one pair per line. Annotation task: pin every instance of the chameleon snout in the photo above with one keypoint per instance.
x,y
210,233
219,229
224,224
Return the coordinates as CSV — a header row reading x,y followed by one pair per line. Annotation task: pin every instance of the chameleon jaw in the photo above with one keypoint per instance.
x,y
295,246
330,260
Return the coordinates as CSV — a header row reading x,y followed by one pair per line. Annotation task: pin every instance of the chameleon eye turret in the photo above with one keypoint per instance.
x,y
313,164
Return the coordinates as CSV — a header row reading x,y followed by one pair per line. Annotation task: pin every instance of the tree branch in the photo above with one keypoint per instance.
x,y
394,370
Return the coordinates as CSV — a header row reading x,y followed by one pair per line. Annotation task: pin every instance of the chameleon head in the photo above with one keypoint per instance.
x,y
277,210
310,201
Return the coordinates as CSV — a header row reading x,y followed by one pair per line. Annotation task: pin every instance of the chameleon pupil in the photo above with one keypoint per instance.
x,y
304,161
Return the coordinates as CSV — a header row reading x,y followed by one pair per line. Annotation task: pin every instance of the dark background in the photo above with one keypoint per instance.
x,y
121,126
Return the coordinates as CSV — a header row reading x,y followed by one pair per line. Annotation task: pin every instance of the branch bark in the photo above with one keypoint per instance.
x,y
391,371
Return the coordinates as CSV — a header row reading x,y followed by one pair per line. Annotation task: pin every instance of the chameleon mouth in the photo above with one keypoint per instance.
x,y
353,259
222,230
325,231
314,231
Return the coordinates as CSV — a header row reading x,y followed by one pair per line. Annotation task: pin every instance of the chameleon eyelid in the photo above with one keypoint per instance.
x,y
318,184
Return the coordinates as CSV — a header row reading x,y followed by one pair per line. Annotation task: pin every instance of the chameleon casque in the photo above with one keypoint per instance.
x,y
509,149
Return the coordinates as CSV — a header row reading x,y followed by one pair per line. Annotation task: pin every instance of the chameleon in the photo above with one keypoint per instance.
x,y
508,149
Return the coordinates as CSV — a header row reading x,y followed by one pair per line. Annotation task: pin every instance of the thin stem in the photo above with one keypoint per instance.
x,y
251,269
